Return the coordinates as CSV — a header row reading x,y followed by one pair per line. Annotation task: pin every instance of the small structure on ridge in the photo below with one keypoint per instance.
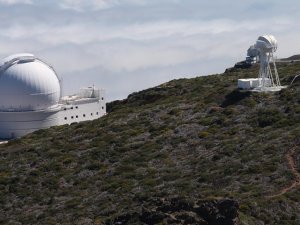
x,y
268,79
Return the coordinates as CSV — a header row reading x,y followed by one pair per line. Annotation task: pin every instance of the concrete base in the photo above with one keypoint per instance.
x,y
268,89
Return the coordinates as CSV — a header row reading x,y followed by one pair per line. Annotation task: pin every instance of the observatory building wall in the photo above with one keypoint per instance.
x,y
17,124
81,111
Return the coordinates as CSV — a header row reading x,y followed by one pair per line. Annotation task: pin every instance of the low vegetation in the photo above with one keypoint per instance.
x,y
198,140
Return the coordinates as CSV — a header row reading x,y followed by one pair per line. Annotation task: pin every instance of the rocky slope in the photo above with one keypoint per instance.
x,y
190,151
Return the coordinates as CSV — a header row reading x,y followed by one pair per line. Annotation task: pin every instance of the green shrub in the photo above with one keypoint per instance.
x,y
269,116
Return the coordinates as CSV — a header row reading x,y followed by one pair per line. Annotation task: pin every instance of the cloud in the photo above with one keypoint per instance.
x,y
94,5
141,43
81,5
140,46
13,2
81,33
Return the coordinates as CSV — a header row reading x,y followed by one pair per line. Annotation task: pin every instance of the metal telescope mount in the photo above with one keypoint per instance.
x,y
268,79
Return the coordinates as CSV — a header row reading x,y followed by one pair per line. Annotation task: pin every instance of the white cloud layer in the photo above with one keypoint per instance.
x,y
81,5
13,2
128,45
94,5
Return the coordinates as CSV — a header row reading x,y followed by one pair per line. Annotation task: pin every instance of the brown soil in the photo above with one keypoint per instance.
x,y
291,160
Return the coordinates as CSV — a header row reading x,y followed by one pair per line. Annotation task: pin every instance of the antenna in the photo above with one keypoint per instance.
x,y
266,46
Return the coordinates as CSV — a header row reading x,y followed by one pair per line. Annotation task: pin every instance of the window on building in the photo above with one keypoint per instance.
x,y
71,107
66,118
97,113
83,115
91,114
72,117
76,116
76,107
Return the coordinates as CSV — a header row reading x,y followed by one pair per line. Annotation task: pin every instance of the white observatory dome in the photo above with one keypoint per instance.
x,y
267,43
27,84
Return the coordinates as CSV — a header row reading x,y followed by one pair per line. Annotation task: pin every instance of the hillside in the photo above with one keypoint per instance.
x,y
190,151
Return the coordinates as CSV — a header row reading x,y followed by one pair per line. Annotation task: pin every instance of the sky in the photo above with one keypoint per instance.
x,y
125,46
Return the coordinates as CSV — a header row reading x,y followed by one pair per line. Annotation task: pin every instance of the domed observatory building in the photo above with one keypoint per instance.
x,y
267,80
30,98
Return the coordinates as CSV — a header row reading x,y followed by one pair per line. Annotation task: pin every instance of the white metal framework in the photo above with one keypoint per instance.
x,y
268,79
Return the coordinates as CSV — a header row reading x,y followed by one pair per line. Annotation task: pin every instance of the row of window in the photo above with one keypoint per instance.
x,y
72,117
76,107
